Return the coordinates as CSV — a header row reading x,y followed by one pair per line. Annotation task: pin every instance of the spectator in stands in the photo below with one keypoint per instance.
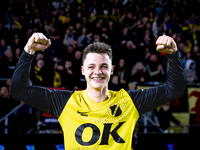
x,y
165,116
55,48
129,20
112,32
104,36
98,28
84,39
57,80
182,49
122,73
134,37
69,53
195,55
188,45
8,83
68,37
155,69
74,44
67,8
7,64
17,52
96,38
141,23
3,47
185,29
62,17
15,29
138,73
148,39
124,36
114,83
194,36
190,71
132,86
16,42
78,30
57,4
84,22
184,59
77,63
166,24
68,73
52,27
155,27
7,103
128,50
39,73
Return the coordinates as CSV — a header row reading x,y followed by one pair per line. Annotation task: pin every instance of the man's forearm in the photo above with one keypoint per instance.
x,y
148,99
20,79
175,78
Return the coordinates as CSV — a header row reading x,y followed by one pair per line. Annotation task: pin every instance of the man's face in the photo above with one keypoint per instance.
x,y
97,69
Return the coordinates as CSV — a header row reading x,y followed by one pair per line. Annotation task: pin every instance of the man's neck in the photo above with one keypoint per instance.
x,y
98,95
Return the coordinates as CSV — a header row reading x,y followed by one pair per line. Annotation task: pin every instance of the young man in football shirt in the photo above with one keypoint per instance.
x,y
97,118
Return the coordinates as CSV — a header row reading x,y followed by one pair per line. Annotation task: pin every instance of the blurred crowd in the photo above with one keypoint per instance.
x,y
130,27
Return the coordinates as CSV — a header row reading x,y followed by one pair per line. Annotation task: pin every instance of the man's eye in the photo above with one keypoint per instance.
x,y
90,67
104,66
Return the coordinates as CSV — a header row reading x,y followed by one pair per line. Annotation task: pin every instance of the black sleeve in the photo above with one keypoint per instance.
x,y
49,101
148,99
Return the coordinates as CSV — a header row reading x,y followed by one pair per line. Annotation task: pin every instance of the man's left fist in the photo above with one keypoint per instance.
x,y
166,44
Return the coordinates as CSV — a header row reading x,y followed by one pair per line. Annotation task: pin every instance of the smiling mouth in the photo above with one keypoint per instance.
x,y
99,78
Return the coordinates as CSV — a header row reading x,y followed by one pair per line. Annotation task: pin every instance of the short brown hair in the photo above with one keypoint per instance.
x,y
97,47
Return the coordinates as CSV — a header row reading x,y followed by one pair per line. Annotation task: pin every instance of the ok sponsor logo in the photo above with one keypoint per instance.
x,y
96,134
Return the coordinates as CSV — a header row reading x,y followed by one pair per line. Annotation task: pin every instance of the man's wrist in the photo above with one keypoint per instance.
x,y
29,50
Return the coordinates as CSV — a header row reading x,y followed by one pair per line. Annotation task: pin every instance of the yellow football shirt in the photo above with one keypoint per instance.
x,y
88,125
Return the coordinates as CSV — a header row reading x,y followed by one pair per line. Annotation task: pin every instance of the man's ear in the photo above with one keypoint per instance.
x,y
82,70
112,69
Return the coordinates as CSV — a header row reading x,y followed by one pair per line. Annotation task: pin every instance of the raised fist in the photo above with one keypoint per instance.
x,y
166,44
37,42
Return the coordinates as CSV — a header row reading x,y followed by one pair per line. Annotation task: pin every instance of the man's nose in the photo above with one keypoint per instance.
x,y
97,70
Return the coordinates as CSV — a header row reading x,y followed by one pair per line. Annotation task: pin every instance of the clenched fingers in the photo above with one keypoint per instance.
x,y
164,40
40,38
166,44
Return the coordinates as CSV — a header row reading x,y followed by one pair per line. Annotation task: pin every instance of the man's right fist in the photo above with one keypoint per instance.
x,y
37,42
